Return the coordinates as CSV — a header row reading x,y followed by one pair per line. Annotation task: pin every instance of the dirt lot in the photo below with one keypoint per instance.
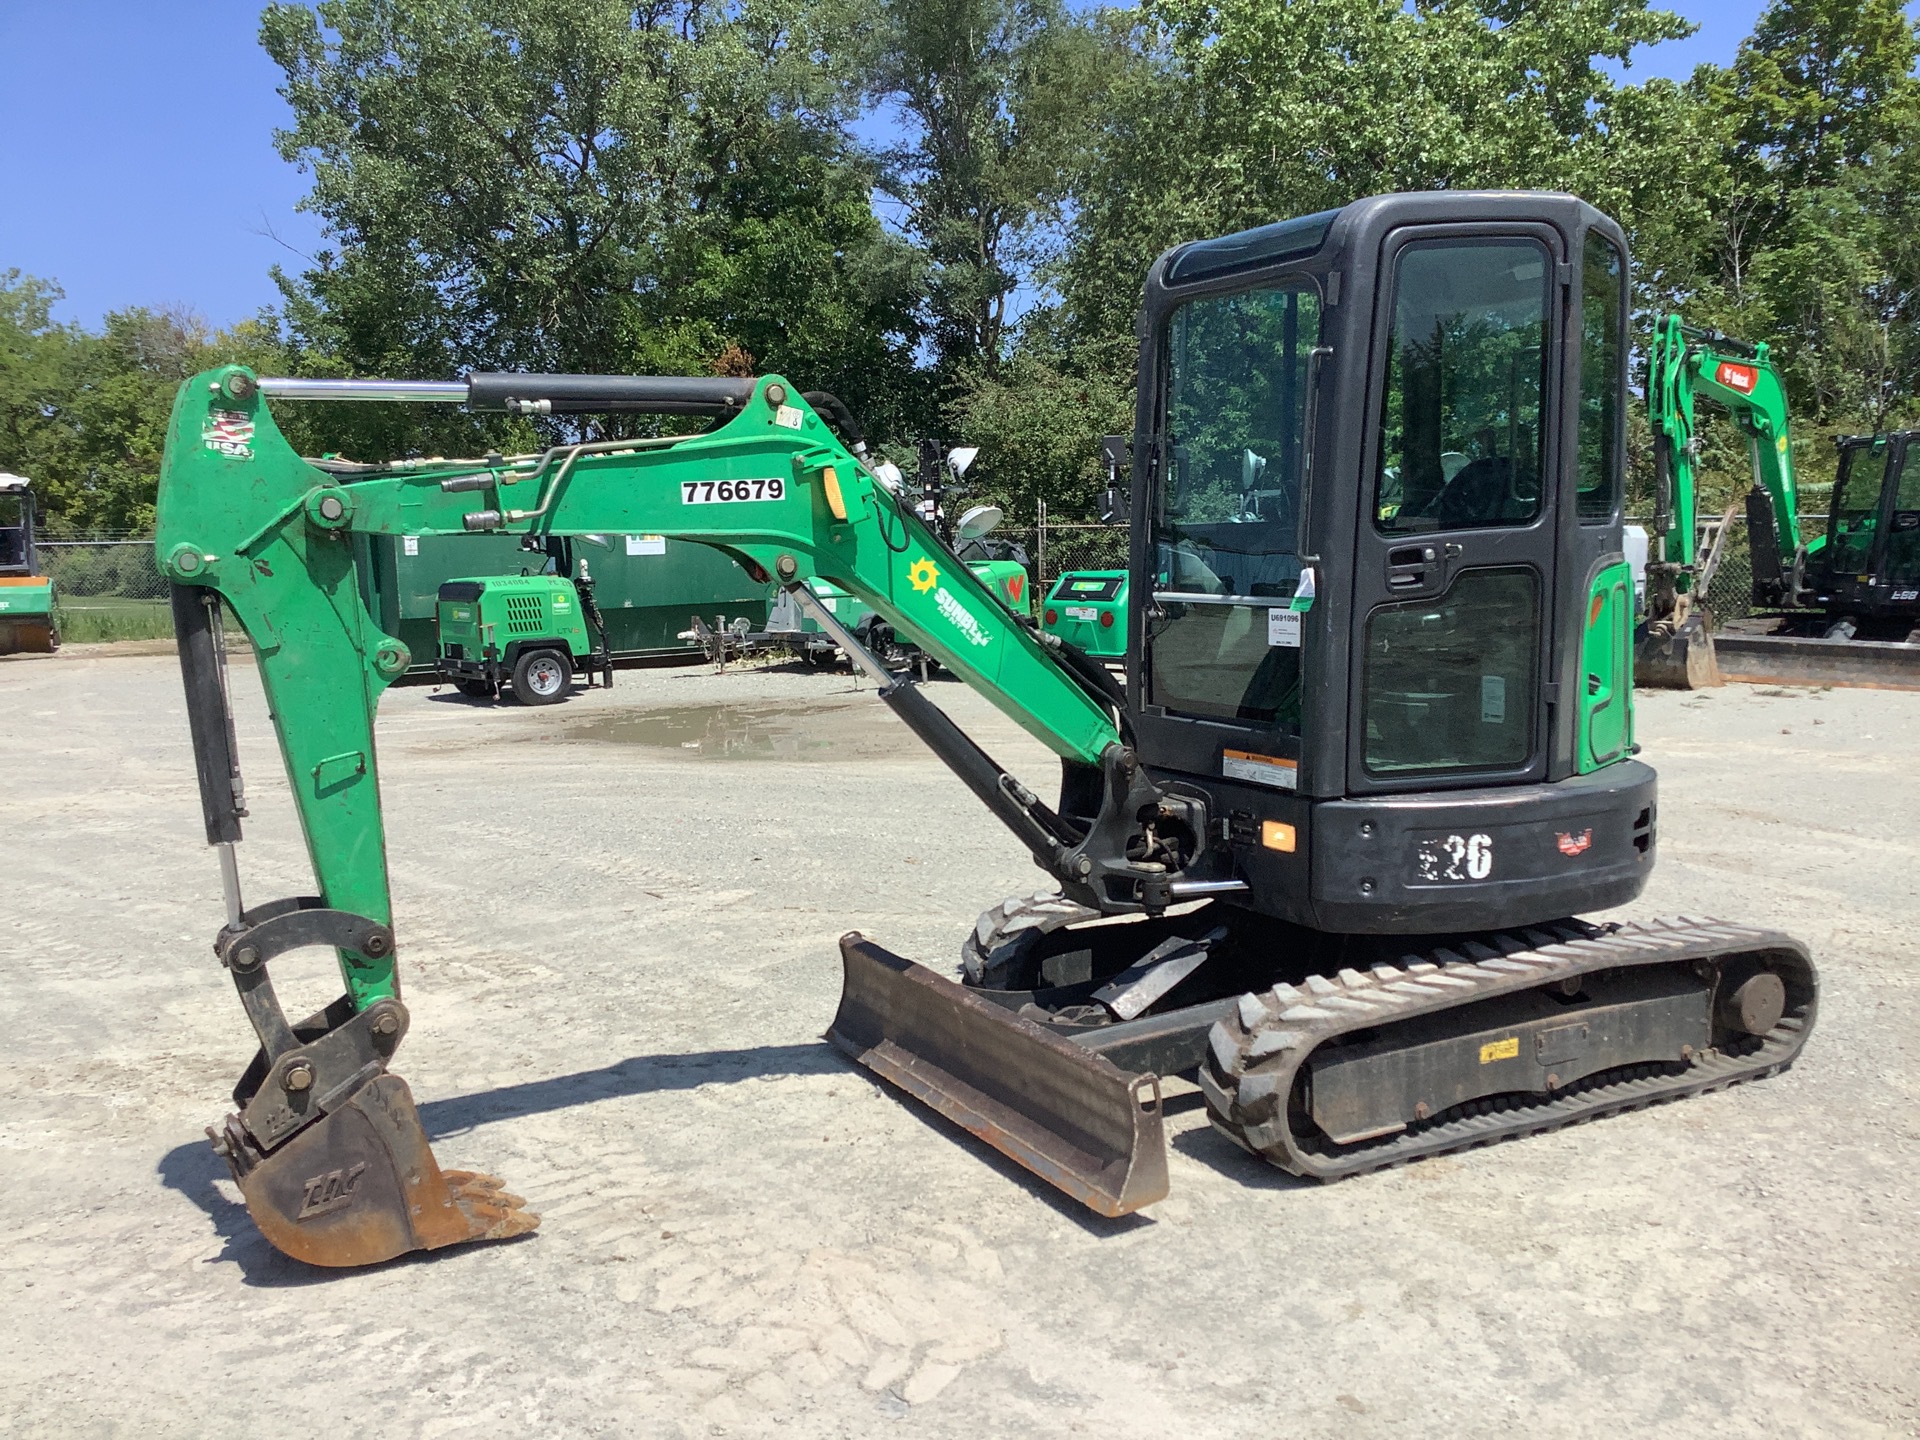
x,y
618,920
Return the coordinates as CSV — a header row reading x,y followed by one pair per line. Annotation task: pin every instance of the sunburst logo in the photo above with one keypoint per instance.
x,y
923,576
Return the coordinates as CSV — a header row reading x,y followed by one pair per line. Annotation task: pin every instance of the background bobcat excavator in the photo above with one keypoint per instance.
x,y
1860,579
27,617
1375,747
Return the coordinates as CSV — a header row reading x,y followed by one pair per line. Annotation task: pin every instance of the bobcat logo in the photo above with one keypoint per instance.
x,y
331,1191
1571,845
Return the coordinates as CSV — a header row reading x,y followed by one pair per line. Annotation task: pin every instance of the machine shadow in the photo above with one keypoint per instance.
x,y
1212,1149
1009,1169
192,1169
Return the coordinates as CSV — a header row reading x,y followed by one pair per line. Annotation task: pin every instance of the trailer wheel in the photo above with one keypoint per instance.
x,y
540,677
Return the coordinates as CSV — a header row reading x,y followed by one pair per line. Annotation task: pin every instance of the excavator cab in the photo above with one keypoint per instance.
x,y
1383,604
1869,569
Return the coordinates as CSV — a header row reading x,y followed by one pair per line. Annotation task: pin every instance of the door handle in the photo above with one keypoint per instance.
x,y
1407,566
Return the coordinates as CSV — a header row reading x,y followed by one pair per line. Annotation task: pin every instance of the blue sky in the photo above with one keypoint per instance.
x,y
140,170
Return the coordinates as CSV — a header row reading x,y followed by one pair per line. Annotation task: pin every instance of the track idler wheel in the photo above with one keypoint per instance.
x,y
360,1185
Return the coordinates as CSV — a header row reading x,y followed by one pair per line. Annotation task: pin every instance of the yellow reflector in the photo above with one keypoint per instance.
x,y
830,483
1276,836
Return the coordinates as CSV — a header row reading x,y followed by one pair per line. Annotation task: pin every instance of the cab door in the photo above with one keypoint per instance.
x,y
1454,576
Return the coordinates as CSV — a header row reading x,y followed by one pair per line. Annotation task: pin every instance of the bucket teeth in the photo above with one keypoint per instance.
x,y
495,1212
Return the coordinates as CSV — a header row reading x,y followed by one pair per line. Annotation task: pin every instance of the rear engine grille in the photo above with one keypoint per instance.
x,y
525,615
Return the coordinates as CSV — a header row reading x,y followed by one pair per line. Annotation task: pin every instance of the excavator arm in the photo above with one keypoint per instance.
x,y
1688,365
246,523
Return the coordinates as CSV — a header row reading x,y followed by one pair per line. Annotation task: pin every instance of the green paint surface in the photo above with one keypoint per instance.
x,y
286,545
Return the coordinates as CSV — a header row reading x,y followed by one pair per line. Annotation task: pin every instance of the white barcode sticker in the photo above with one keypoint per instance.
x,y
1283,628
410,544
1493,700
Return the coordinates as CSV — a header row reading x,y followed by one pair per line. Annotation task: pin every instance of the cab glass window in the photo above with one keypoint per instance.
x,y
1459,432
1227,514
1451,681
1903,529
1856,506
1602,302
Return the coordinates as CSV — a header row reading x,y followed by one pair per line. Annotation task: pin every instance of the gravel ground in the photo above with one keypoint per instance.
x,y
618,920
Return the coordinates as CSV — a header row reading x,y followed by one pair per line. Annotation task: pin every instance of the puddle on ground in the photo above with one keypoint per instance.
x,y
865,730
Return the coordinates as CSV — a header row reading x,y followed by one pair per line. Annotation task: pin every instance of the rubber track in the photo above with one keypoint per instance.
x,y
1255,1055
998,936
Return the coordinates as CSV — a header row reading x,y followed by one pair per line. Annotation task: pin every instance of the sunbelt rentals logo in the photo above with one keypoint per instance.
x,y
924,576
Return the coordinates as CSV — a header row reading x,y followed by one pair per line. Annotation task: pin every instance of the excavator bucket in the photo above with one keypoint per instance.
x,y
360,1185
1681,660
1070,1116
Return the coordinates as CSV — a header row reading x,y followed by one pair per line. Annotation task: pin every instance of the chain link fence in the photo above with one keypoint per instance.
x,y
107,589
1054,547
1730,590
1081,547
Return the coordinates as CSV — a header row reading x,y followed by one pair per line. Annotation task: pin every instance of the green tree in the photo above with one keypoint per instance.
x,y
1033,419
1246,111
1220,116
586,185
997,98
1817,120
84,414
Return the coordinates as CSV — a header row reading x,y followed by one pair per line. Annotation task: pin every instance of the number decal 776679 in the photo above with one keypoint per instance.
x,y
708,492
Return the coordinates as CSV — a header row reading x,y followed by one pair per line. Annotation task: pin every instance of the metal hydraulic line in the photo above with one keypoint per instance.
x,y
241,515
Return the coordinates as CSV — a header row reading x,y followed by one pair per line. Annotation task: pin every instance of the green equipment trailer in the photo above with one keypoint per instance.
x,y
1088,608
1326,852
529,634
27,619
647,587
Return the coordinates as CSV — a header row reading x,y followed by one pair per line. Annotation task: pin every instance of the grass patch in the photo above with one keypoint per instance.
x,y
91,619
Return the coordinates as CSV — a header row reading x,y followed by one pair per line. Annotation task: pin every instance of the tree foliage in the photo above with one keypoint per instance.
x,y
942,209
83,414
998,99
588,185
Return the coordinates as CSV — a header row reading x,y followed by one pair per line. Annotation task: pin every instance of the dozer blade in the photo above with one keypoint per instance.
x,y
1683,660
360,1185
29,637
1071,1117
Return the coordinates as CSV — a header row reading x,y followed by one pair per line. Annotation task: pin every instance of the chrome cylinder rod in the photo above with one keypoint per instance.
x,y
811,607
431,392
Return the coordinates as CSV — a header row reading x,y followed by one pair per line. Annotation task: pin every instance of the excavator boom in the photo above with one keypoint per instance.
x,y
245,520
1688,365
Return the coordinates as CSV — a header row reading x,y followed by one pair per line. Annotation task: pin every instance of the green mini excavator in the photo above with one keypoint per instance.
x,y
1324,852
